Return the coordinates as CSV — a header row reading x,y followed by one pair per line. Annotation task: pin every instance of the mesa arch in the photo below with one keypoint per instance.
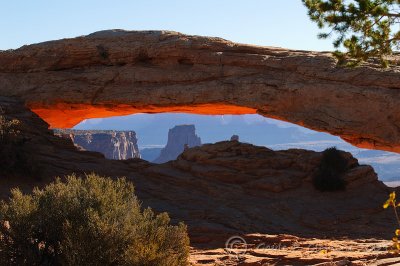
x,y
120,72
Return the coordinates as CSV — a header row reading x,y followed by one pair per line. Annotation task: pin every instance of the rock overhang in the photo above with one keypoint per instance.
x,y
117,72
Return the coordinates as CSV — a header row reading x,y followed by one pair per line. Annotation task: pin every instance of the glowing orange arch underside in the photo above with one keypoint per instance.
x,y
64,115
68,115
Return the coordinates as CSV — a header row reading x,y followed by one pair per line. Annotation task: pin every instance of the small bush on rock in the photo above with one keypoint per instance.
x,y
392,202
90,221
329,176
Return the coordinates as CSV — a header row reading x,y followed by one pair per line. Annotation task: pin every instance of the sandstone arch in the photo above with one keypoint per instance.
x,y
123,72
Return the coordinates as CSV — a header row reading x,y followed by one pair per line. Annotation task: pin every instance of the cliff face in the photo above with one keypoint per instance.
x,y
119,72
117,145
178,138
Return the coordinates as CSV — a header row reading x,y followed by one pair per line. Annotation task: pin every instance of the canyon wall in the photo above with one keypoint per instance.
x,y
118,72
117,145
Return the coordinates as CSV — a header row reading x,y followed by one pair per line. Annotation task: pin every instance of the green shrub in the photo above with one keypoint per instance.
x,y
90,221
329,176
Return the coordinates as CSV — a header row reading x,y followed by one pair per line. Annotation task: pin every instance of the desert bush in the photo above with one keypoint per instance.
x,y
89,221
329,176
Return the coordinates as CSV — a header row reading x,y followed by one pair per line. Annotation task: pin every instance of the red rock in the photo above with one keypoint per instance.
x,y
117,72
232,188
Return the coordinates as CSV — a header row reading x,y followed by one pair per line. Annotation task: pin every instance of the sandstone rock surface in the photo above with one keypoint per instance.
x,y
179,138
284,249
224,187
117,145
232,188
270,191
120,72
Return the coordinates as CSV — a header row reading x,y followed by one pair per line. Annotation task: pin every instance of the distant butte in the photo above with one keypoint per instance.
x,y
118,72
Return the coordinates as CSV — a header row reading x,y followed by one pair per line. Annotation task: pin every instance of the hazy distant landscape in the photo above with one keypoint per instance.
x,y
152,132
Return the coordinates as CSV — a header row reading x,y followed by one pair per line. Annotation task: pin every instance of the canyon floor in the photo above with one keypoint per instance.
x,y
232,189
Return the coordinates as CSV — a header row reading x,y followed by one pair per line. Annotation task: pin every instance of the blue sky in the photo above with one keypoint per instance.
x,y
281,23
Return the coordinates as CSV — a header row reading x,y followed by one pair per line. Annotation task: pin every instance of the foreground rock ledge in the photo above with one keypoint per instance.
x,y
119,72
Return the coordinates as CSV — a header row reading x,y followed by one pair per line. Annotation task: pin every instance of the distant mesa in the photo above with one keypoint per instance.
x,y
122,145
117,145
179,137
